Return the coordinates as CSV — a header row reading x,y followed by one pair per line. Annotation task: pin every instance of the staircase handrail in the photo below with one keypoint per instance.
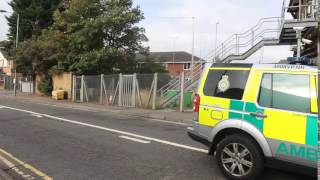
x,y
235,39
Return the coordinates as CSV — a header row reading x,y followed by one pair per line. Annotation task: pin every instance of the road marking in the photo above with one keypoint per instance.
x,y
25,165
113,130
36,115
135,139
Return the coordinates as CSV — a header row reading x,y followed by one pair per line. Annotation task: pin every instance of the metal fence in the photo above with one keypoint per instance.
x,y
23,84
126,90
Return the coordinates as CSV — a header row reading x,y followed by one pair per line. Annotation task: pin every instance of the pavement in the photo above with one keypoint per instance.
x,y
44,140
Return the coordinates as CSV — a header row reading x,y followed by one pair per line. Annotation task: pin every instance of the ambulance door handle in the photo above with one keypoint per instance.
x,y
259,115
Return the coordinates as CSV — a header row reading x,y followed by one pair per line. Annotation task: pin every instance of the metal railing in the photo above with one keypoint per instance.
x,y
237,44
303,12
191,76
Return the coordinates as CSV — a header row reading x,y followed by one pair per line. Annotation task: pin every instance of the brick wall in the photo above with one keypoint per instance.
x,y
175,69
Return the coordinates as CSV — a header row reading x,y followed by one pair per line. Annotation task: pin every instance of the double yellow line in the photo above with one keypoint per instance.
x,y
25,165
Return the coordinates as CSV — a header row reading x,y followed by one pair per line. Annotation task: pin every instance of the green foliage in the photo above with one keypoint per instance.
x,y
38,56
35,15
5,48
101,36
86,37
45,87
148,65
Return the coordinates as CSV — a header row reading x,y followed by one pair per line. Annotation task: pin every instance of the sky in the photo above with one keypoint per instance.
x,y
168,24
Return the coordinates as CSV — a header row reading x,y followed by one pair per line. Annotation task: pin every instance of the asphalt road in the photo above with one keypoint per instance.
x,y
75,144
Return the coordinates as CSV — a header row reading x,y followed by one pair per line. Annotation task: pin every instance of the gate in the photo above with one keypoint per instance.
x,y
77,92
127,91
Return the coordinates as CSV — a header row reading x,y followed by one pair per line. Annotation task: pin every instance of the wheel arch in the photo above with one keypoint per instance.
x,y
225,128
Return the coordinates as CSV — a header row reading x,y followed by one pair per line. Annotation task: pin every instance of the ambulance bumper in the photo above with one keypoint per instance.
x,y
196,136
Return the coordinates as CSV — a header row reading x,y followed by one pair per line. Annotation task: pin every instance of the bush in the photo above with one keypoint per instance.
x,y
45,87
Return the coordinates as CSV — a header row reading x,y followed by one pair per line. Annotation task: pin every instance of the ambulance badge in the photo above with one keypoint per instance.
x,y
224,84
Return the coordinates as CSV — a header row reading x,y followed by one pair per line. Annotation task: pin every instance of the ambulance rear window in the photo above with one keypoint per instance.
x,y
228,84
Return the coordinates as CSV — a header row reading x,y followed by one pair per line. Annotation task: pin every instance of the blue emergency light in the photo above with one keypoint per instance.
x,y
299,60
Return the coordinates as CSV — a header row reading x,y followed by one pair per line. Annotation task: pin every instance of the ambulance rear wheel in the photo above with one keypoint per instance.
x,y
239,157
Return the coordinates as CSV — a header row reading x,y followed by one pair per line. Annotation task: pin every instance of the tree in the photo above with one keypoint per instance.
x,y
5,47
35,15
101,36
86,37
39,55
148,65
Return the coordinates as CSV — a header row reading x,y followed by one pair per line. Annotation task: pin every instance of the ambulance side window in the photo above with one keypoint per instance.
x,y
286,91
228,84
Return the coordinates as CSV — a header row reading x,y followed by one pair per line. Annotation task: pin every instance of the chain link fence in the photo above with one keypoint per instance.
x,y
130,90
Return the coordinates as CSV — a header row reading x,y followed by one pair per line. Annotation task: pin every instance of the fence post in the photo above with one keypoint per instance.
x,y
74,88
101,88
82,89
154,97
30,84
182,92
134,82
5,82
120,89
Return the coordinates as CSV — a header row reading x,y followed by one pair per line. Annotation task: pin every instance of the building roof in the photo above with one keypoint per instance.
x,y
170,57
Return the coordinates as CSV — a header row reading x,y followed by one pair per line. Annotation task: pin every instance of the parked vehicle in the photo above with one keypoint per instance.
x,y
250,115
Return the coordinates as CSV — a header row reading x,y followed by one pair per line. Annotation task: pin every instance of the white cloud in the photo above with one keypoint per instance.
x,y
3,22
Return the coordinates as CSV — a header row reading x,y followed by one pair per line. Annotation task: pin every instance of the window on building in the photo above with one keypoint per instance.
x,y
228,84
166,66
186,66
286,91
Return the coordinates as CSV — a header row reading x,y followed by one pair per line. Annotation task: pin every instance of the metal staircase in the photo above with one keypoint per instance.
x,y
190,82
252,50
241,46
271,31
263,34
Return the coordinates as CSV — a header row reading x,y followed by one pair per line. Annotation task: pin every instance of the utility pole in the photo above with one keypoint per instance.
x,y
192,58
15,64
215,43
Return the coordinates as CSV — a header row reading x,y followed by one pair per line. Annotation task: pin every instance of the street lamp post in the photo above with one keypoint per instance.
x,y
17,40
215,43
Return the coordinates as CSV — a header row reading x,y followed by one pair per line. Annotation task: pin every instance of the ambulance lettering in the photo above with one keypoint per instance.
x,y
297,151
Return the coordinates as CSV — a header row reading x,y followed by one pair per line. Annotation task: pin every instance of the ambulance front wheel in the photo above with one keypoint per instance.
x,y
239,157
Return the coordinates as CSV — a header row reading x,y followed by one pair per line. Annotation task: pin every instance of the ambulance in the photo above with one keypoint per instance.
x,y
252,115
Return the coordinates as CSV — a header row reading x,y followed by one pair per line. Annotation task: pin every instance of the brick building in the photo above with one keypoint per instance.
x,y
175,62
5,65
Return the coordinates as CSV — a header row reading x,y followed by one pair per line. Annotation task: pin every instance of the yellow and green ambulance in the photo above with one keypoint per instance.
x,y
250,115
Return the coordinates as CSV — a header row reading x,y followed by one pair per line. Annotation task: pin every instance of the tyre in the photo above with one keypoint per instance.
x,y
239,157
